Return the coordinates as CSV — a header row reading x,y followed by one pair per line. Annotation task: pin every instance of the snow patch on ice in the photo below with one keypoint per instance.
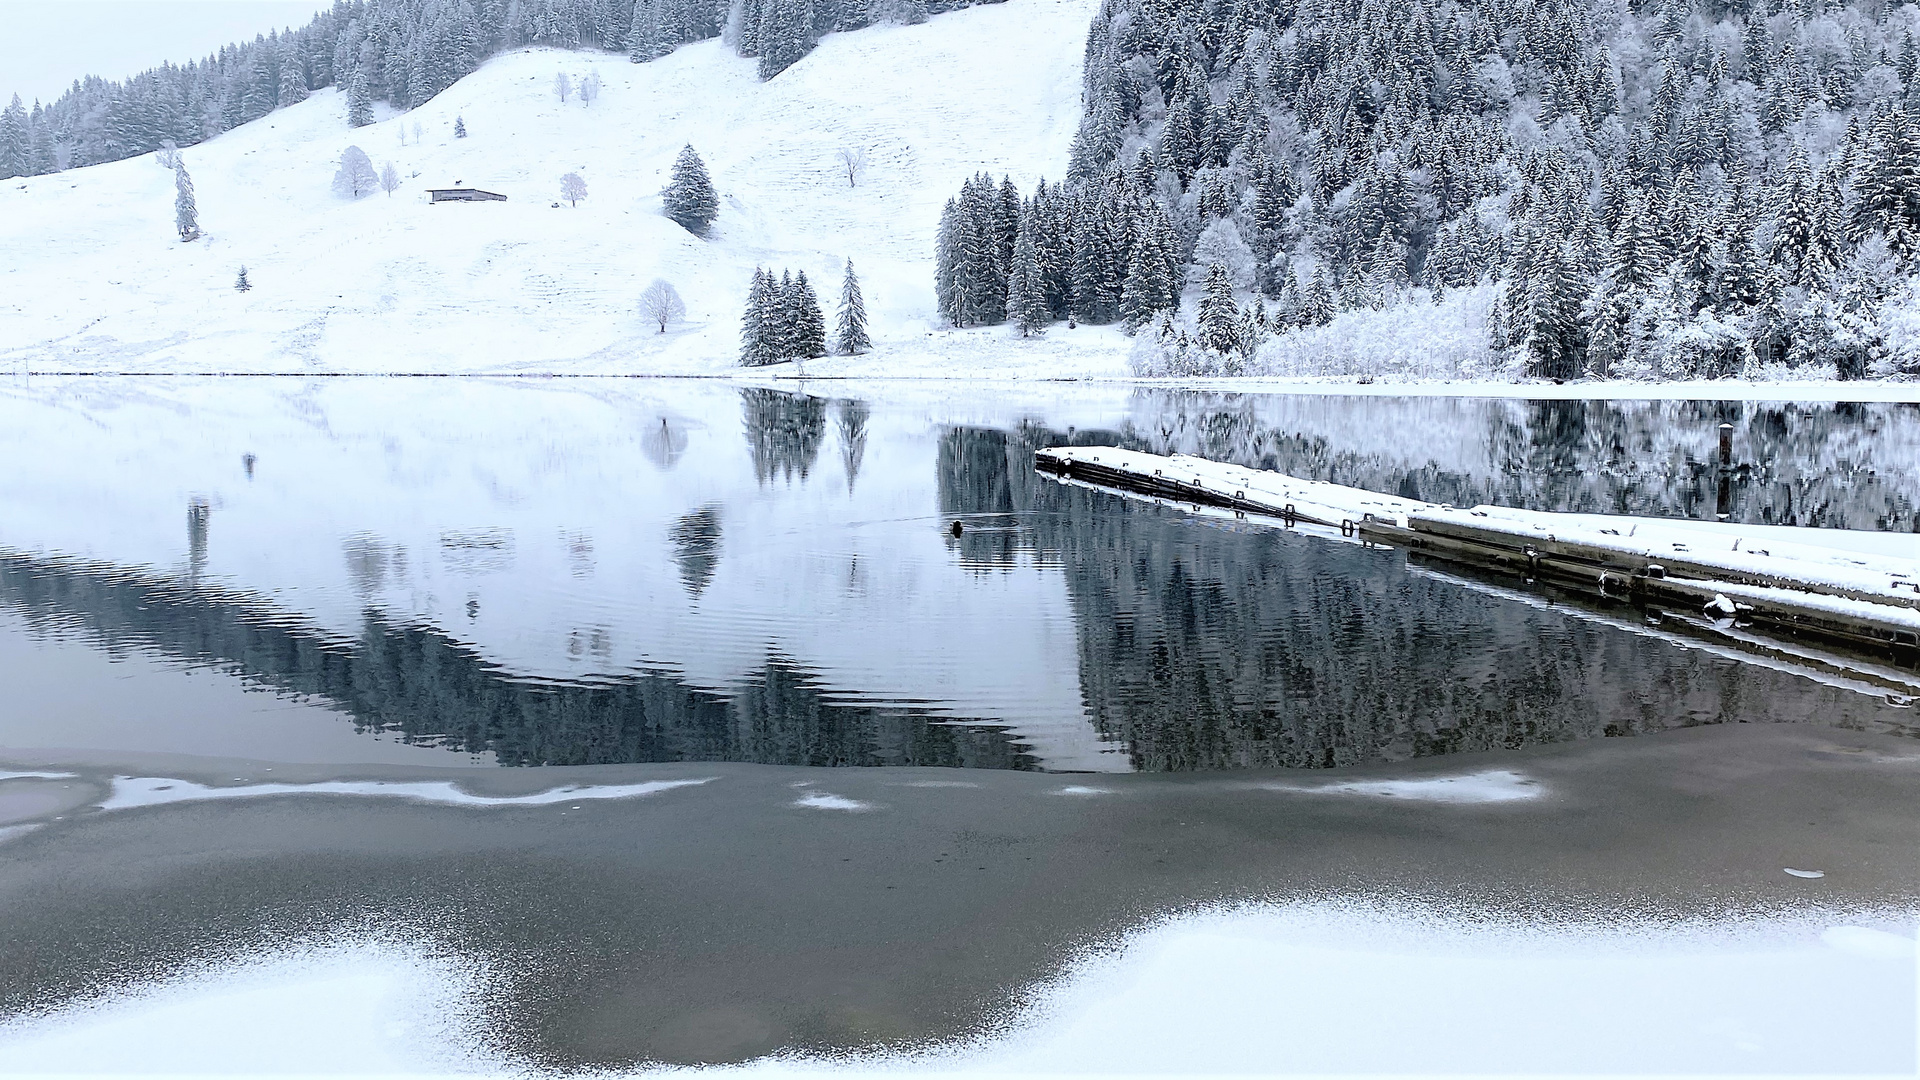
x,y
1867,941
1081,789
352,1006
823,800
1303,988
936,784
1805,873
1488,786
137,791
37,776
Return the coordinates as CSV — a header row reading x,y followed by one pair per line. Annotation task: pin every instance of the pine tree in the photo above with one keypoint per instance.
x,y
1026,292
785,35
647,34
808,321
1219,317
1150,288
1316,304
293,81
1551,333
186,212
783,322
459,127
756,324
15,140
689,198
360,104
850,330
240,283
1794,217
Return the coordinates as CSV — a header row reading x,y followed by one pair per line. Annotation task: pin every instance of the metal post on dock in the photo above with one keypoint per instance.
x,y
1723,508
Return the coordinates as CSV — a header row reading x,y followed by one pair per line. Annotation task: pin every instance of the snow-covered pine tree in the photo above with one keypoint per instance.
x,y
1026,292
783,326
241,282
757,325
15,140
459,127
186,210
1551,334
293,80
360,103
1147,291
786,34
1794,217
647,33
689,198
1219,318
1316,301
809,322
850,331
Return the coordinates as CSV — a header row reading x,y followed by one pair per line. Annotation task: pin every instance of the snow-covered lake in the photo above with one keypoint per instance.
x,y
267,643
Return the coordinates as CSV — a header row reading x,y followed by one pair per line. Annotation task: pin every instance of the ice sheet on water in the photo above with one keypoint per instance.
x,y
824,800
1487,786
136,791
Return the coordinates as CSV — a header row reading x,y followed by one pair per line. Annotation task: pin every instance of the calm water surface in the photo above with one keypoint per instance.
x,y
568,572
238,582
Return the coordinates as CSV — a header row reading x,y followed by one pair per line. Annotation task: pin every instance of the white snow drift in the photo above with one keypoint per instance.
x,y
1295,989
95,278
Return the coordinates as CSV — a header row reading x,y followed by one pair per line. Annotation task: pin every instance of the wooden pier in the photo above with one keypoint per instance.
x,y
1863,603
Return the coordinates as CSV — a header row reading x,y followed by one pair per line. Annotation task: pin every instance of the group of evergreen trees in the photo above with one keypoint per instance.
x,y
1665,187
1097,253
402,52
783,320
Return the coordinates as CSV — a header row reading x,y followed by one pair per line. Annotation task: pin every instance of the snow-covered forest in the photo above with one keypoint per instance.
x,y
401,52
1681,189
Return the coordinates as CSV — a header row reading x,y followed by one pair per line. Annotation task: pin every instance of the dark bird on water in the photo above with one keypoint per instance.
x,y
955,530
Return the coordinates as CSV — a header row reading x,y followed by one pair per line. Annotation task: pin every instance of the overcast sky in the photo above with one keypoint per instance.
x,y
46,44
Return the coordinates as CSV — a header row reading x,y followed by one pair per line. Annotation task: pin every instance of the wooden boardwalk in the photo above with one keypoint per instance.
x,y
1864,603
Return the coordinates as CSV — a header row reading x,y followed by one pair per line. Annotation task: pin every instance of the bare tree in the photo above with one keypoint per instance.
x,y
356,176
853,160
416,133
662,304
572,188
168,155
590,88
562,86
389,179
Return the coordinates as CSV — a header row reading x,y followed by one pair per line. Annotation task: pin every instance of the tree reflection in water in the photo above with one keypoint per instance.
x,y
1205,647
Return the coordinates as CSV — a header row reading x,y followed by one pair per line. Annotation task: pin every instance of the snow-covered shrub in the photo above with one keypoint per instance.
x,y
1171,353
1416,340
1900,333
1221,242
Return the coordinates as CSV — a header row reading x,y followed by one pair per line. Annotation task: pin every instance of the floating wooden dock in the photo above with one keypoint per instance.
x,y
1862,602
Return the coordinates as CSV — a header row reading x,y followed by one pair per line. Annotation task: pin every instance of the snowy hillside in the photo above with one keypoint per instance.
x,y
95,278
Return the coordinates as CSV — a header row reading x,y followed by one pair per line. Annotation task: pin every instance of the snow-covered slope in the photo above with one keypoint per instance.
x,y
93,277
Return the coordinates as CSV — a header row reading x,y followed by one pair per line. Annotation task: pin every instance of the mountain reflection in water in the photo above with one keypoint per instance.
x,y
1195,646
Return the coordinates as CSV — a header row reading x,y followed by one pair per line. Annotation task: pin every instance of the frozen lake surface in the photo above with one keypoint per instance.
x,y
523,708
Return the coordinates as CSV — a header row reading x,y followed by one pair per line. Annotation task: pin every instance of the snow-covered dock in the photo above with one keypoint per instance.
x,y
1798,586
